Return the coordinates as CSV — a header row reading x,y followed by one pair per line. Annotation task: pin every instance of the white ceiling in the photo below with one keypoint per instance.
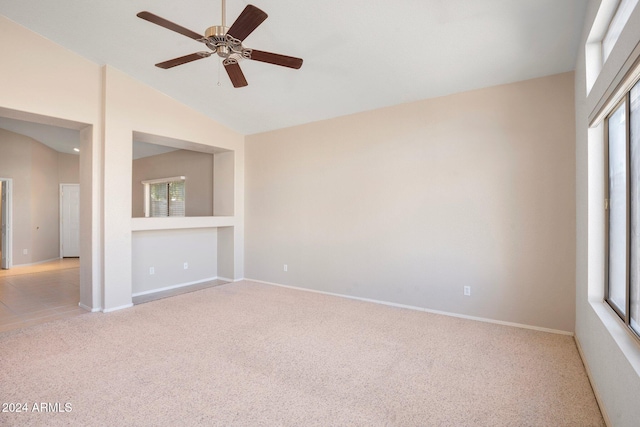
x,y
358,54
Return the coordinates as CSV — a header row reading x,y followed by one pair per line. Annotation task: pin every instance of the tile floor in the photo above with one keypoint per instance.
x,y
44,292
39,293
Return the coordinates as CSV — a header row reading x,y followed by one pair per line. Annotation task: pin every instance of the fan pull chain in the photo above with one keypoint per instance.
x,y
219,74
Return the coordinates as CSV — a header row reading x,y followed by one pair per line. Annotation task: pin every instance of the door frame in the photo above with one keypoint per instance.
x,y
8,240
60,215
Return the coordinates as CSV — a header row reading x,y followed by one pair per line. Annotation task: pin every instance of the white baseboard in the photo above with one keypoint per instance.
x,y
92,310
607,421
226,279
426,310
180,285
122,307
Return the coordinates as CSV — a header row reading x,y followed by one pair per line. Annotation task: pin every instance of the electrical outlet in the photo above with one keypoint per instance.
x,y
286,267
152,270
25,252
467,291
186,265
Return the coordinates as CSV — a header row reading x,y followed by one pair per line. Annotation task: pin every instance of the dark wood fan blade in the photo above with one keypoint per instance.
x,y
235,73
155,19
182,60
248,21
276,59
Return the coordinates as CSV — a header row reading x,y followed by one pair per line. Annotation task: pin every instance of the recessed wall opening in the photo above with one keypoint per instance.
x,y
207,172
44,155
182,215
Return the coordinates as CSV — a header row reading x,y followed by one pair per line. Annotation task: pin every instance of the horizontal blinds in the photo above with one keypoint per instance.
x,y
176,198
159,200
166,198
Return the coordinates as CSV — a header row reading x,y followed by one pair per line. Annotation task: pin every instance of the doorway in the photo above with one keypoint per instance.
x,y
91,293
5,223
69,220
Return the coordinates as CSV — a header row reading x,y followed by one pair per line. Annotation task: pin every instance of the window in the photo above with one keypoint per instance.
x,y
164,197
625,7
634,137
623,208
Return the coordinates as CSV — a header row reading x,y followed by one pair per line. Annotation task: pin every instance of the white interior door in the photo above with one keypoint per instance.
x,y
4,225
69,220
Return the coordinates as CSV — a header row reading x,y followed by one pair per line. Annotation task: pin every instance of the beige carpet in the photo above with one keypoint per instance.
x,y
248,354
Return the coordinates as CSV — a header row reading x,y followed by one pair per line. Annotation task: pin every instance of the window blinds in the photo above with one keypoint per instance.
x,y
165,197
176,198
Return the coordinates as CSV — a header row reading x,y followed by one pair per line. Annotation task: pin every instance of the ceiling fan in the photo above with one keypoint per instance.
x,y
226,42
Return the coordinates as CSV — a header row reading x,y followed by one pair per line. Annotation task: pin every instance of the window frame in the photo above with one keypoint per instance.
x,y
147,196
617,23
613,108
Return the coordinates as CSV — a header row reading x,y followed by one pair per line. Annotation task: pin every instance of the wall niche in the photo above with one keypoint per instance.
x,y
207,170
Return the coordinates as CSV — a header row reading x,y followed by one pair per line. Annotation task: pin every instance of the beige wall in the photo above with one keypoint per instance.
x,y
45,210
68,94
197,247
409,204
132,107
107,106
36,171
1,217
68,168
196,167
15,163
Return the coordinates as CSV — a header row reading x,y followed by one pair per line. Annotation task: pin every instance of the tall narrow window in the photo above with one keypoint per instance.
x,y
618,208
164,197
623,12
634,143
623,231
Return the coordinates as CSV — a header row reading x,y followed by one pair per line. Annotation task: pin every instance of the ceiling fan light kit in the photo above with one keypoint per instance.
x,y
226,42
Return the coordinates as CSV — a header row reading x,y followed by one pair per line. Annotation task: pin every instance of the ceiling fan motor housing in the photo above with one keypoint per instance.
x,y
217,39
216,33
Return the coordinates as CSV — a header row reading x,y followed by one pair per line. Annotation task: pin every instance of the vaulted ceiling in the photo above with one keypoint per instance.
x,y
358,54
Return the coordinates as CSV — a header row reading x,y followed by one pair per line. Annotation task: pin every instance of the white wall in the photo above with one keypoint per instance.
x,y
611,355
410,203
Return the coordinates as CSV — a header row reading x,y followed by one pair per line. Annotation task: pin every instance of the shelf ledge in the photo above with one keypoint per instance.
x,y
175,223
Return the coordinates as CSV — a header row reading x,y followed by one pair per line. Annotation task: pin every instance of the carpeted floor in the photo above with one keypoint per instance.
x,y
248,354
